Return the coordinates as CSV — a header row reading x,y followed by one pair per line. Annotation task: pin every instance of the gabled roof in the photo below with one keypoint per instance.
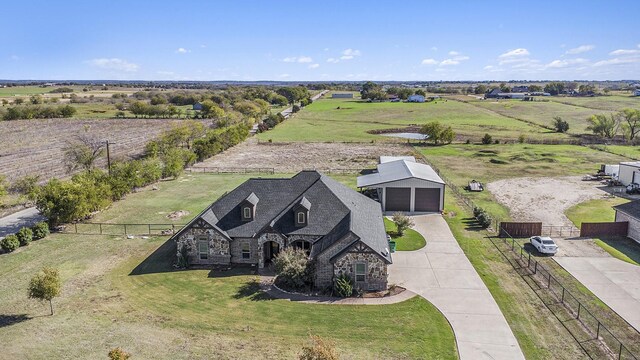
x,y
252,199
335,211
399,170
632,208
386,159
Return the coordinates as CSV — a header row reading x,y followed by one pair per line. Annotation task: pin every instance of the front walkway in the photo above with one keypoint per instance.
x,y
441,273
614,281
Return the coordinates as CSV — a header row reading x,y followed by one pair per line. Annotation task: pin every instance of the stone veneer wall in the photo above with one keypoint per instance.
x,y
218,246
376,270
324,267
236,250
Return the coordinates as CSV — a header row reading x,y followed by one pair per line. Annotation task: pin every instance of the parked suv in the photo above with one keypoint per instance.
x,y
544,244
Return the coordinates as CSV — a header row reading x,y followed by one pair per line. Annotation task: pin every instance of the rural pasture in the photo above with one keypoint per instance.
x,y
120,292
36,146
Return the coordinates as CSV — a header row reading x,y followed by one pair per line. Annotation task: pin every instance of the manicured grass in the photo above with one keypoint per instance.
x,y
124,292
539,334
609,103
411,240
23,90
462,163
621,248
598,210
350,119
631,152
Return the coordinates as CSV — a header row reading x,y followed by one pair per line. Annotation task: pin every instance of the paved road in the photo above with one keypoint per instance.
x,y
12,223
614,281
441,273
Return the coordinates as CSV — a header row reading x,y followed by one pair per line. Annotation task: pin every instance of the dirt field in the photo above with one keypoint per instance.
x,y
293,157
35,146
543,199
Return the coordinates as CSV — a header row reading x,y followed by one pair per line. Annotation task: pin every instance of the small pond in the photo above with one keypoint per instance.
x,y
406,135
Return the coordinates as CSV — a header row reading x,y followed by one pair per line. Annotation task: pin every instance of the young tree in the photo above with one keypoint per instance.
x,y
45,285
480,89
631,125
603,125
560,125
83,153
438,133
487,139
402,221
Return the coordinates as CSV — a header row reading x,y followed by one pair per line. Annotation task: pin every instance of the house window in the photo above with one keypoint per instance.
x,y
203,249
246,213
246,251
361,272
301,218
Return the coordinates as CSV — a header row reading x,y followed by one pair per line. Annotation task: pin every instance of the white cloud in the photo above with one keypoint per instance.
x,y
449,62
580,49
284,75
624,52
434,48
326,49
520,52
333,60
183,51
203,46
114,64
346,57
314,66
453,53
619,61
351,52
454,60
566,63
429,62
300,59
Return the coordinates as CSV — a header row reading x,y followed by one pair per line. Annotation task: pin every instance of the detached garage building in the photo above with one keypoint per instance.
x,y
629,173
404,185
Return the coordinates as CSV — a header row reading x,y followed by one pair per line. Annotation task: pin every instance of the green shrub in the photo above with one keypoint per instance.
x,y
402,221
183,258
40,230
486,139
25,235
9,243
293,268
343,286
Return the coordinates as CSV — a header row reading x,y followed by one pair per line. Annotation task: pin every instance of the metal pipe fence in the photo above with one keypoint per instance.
x,y
230,170
594,329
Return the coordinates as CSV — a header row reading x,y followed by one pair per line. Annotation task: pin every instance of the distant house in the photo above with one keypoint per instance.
x,y
416,98
393,98
497,94
636,92
493,94
520,89
342,96
341,230
197,106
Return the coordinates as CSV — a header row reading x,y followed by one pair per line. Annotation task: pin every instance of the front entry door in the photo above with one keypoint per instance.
x,y
271,250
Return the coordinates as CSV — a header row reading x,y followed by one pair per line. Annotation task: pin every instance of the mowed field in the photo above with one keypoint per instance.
x,y
125,293
349,120
36,146
609,103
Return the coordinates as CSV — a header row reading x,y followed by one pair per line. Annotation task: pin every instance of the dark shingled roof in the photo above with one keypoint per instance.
x,y
632,208
334,211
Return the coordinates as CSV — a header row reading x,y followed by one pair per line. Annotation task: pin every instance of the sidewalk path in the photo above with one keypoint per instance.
x,y
12,223
441,273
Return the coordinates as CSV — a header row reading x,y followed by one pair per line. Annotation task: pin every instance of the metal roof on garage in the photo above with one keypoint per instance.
x,y
399,170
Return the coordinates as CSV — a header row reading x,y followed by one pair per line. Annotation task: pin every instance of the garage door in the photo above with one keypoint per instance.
x,y
398,199
427,200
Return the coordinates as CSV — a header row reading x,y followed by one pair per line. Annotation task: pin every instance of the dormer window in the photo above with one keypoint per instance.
x,y
301,212
248,207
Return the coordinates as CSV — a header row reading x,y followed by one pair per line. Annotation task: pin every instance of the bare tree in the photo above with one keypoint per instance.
x,y
83,153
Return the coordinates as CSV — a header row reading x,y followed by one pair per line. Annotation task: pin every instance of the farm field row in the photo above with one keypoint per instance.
x,y
125,292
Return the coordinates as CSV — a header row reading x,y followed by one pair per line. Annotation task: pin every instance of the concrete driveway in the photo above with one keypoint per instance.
x,y
613,281
12,223
441,273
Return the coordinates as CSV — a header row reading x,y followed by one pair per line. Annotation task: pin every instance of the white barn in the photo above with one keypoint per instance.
x,y
405,185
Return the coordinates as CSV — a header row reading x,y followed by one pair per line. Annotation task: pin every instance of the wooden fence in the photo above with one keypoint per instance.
x,y
520,229
604,229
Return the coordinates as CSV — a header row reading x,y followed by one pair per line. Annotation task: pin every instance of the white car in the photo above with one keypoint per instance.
x,y
544,244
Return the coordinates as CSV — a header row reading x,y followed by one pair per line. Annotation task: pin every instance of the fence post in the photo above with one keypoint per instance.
x,y
75,225
562,298
579,306
173,229
529,261
598,331
125,229
620,352
549,280
149,229
100,228
535,267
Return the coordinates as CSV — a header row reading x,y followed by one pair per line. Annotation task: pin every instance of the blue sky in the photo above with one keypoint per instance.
x,y
320,40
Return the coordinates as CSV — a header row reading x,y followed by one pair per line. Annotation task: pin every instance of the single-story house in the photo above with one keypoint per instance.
x,y
416,98
342,96
636,92
629,173
520,89
404,185
341,230
498,94
630,212
197,106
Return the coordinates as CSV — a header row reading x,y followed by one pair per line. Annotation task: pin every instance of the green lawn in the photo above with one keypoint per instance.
x,y
411,240
631,152
23,90
539,334
601,210
350,119
462,163
609,103
124,292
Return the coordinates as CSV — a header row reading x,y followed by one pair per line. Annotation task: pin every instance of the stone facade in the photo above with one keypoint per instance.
x,y
218,246
324,267
375,269
634,225
238,244
264,238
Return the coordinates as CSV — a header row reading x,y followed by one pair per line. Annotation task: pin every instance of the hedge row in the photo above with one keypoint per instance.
x,y
24,236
